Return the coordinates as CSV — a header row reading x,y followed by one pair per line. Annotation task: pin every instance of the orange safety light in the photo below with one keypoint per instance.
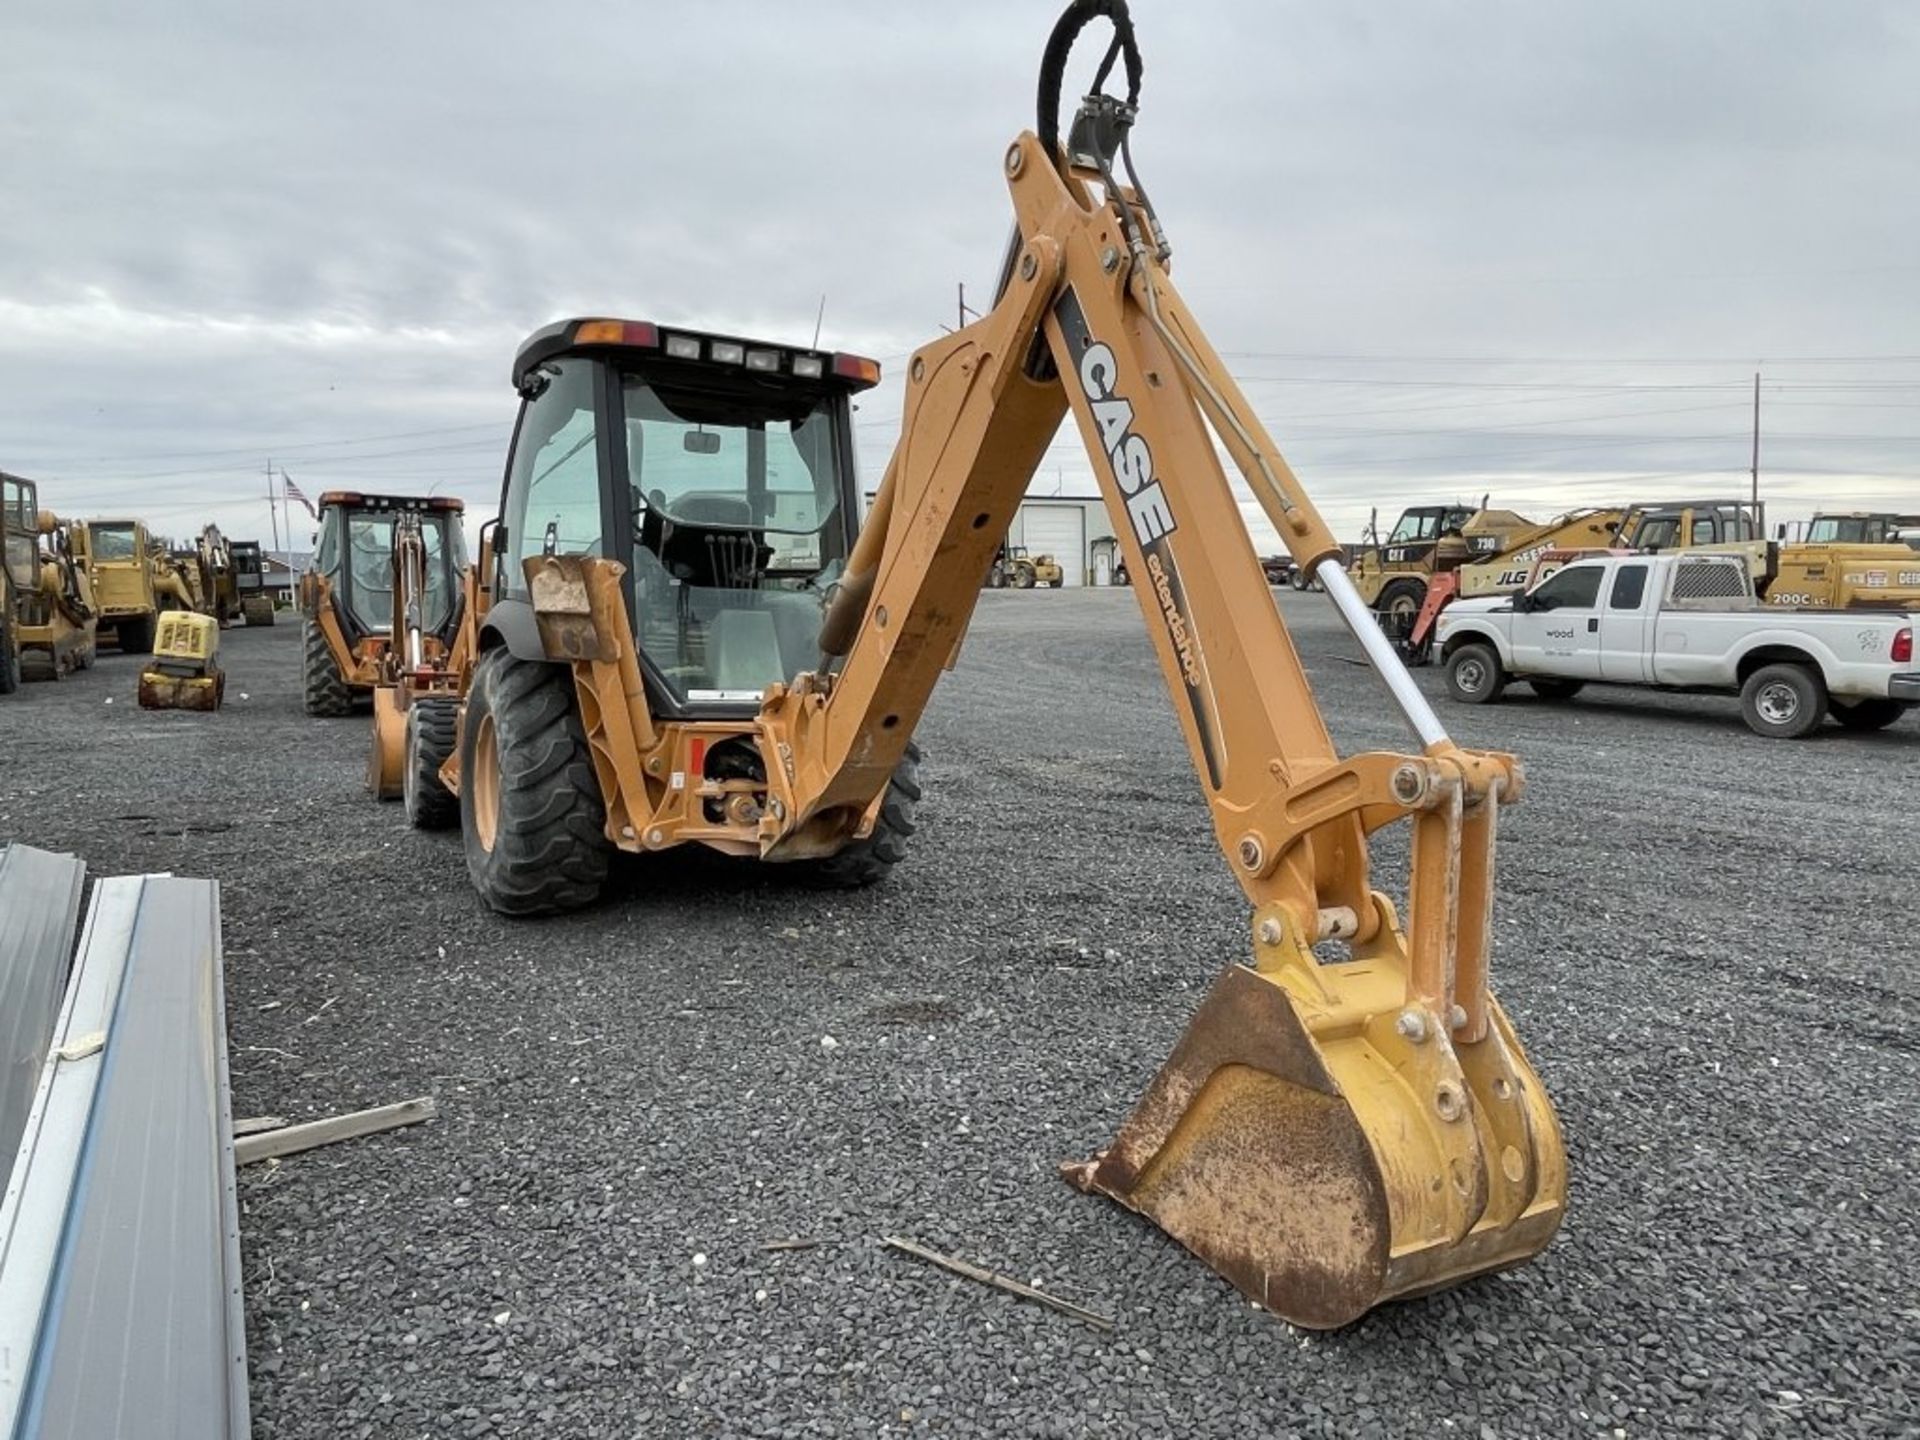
x,y
616,332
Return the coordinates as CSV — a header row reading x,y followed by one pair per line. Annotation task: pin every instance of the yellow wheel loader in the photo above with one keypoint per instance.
x,y
118,557
347,598
687,642
417,696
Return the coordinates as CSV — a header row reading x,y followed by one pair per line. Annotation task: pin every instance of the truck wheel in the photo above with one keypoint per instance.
x,y
322,686
136,635
1399,606
1298,578
9,659
868,860
432,727
1869,714
1474,676
1557,689
1783,702
530,806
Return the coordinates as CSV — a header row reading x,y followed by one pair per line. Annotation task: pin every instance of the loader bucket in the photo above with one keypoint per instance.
x,y
1312,1152
387,760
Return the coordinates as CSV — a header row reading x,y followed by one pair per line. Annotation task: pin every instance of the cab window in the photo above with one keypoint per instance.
x,y
1415,525
553,485
1575,588
1629,585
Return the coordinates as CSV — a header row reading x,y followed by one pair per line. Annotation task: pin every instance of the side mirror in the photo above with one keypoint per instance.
x,y
1524,603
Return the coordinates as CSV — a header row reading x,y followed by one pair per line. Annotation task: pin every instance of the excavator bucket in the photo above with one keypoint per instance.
x,y
1318,1141
387,760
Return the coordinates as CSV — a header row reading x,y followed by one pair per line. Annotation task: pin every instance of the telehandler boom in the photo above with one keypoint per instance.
x,y
684,642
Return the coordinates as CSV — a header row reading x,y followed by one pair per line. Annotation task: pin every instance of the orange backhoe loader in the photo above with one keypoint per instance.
x,y
416,699
685,641
347,599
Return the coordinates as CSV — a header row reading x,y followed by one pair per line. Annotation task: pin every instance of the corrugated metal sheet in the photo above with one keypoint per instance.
x,y
120,1306
39,906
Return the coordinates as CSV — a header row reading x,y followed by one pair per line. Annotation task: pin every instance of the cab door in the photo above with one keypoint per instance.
x,y
1556,627
1624,626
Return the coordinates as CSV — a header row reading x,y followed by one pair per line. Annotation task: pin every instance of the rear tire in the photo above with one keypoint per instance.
x,y
1869,714
323,688
530,807
1783,702
432,731
257,610
1022,577
1474,676
1557,689
1297,579
866,861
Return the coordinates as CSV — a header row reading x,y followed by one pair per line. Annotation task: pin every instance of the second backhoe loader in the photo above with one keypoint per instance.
x,y
347,598
687,642
416,697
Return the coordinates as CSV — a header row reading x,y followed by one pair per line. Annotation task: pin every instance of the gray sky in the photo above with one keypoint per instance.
x,y
1531,250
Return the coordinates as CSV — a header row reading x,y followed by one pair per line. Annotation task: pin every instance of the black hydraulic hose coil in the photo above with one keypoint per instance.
x,y
1053,62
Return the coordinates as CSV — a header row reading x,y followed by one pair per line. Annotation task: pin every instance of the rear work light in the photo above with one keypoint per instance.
x,y
808,367
683,347
763,359
857,368
1903,645
616,332
726,352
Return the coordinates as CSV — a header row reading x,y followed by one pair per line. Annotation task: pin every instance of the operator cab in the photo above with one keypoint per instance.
x,y
19,537
719,471
1684,525
1878,528
355,553
1427,523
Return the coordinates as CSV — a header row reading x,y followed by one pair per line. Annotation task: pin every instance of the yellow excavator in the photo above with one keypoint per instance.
x,y
686,640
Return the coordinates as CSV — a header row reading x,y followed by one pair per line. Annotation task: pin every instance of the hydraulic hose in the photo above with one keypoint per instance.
x,y
1053,62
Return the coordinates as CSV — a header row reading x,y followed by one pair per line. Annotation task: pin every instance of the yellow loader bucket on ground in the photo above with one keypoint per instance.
x,y
387,760
1322,1142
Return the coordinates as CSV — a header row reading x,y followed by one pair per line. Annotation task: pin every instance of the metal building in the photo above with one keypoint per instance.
x,y
1074,529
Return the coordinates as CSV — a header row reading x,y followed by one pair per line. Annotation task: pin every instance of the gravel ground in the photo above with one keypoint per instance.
x,y
1705,940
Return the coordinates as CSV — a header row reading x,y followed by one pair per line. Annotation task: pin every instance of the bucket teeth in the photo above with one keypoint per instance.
x,y
1323,1176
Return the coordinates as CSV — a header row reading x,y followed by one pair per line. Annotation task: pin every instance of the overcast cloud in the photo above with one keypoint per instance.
x,y
1532,250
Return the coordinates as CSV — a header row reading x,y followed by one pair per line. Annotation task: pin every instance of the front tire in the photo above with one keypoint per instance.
x,y
1023,577
1399,607
531,813
1474,676
432,732
1869,714
9,657
1783,702
323,688
866,861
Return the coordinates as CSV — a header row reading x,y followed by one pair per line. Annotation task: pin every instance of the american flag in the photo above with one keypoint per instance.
x,y
294,493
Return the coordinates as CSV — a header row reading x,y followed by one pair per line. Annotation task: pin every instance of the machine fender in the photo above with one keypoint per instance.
x,y
510,622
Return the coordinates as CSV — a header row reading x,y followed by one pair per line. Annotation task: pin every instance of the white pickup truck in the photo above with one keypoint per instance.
x,y
1684,622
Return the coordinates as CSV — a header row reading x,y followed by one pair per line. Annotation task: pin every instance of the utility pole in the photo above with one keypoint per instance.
x,y
273,508
1756,446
